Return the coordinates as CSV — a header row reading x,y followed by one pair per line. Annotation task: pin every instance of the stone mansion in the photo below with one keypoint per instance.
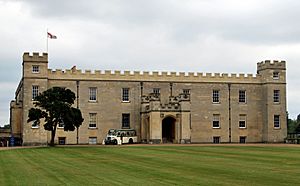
x,y
162,107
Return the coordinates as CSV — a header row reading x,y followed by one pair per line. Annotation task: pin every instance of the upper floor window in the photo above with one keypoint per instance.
x,y
186,91
275,75
125,94
35,91
61,124
35,125
125,120
215,96
93,120
242,96
35,69
156,91
216,121
242,121
93,93
276,121
276,96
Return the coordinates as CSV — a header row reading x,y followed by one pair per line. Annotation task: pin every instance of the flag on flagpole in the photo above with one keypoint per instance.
x,y
51,36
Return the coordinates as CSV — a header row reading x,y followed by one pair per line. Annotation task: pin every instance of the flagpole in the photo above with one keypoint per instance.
x,y
47,41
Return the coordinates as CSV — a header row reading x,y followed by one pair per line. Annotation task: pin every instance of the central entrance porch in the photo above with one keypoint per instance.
x,y
168,130
165,122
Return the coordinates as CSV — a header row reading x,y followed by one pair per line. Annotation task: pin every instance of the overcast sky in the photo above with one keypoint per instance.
x,y
151,35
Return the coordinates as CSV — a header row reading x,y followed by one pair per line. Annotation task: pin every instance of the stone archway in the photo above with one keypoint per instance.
x,y
168,130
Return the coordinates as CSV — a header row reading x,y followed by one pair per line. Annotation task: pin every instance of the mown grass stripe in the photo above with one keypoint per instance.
x,y
151,165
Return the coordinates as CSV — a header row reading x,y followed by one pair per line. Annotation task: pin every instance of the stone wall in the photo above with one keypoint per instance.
x,y
259,108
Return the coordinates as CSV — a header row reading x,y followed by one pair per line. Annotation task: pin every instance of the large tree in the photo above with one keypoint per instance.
x,y
55,106
297,124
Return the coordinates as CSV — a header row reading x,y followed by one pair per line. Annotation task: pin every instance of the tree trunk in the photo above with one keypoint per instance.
x,y
53,136
52,139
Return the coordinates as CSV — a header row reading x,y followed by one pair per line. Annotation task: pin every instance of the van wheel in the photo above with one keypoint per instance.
x,y
130,141
115,142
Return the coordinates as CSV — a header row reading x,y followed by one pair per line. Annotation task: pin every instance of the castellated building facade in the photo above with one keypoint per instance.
x,y
162,107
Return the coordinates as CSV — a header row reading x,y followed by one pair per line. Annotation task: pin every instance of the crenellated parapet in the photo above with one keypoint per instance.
x,y
77,74
151,76
35,57
268,64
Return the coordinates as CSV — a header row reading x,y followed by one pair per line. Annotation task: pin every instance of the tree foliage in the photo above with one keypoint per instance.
x,y
7,126
55,106
298,124
294,125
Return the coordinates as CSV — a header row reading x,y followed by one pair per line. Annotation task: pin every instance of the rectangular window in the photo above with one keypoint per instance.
x,y
156,91
186,91
93,120
125,120
276,121
35,69
61,124
215,96
35,91
92,140
216,121
35,125
61,140
242,96
276,96
242,139
275,75
93,93
125,94
242,121
216,139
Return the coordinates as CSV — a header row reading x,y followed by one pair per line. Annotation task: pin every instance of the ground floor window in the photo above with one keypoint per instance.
x,y
93,140
61,140
93,120
216,121
216,139
276,121
242,121
242,139
125,120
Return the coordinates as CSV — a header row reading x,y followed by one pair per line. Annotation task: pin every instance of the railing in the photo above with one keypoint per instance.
x,y
293,138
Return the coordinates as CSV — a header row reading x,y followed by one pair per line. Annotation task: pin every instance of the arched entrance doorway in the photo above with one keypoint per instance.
x,y
168,130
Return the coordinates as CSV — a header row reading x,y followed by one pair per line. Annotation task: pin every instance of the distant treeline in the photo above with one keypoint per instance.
x,y
294,125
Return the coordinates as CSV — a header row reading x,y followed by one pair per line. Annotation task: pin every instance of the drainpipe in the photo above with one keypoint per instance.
x,y
77,92
171,89
229,110
141,118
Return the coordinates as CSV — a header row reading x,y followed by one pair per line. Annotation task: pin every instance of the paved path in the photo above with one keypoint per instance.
x,y
19,147
192,145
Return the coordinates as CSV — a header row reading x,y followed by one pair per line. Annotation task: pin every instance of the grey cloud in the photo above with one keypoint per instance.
x,y
273,22
10,70
169,35
7,93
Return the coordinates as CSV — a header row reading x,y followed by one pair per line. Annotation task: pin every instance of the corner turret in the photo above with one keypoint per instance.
x,y
35,65
272,71
273,79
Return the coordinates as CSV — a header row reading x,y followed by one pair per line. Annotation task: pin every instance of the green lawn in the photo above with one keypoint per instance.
x,y
151,165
